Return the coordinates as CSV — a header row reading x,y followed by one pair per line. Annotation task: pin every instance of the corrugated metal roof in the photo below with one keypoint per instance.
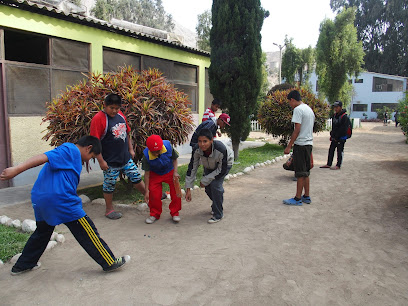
x,y
93,22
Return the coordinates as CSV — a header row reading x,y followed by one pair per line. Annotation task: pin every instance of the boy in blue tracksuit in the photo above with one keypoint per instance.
x,y
55,201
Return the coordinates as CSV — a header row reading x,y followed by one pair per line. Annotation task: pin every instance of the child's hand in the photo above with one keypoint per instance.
x,y
175,174
8,173
146,197
188,195
104,165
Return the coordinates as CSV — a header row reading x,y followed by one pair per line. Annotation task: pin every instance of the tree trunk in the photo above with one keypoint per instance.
x,y
235,147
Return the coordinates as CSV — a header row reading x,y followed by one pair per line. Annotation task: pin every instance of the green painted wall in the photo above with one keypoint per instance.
x,y
32,22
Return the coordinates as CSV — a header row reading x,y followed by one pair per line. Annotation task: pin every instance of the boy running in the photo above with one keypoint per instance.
x,y
55,201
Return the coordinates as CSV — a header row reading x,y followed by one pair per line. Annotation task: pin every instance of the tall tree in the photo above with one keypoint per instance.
x,y
149,13
382,26
297,64
338,53
203,30
236,61
290,61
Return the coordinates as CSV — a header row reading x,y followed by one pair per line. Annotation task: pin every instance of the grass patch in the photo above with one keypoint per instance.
x,y
247,157
12,242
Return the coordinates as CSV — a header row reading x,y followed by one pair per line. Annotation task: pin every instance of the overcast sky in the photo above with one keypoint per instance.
x,y
299,19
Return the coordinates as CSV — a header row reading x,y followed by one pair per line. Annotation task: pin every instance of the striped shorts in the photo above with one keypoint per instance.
x,y
111,175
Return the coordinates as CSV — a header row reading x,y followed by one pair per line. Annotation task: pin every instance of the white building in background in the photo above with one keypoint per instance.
x,y
372,91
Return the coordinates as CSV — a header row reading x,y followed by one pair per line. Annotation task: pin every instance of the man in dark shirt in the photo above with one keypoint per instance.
x,y
211,125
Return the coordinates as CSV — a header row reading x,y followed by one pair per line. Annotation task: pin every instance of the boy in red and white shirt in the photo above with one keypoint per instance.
x,y
210,112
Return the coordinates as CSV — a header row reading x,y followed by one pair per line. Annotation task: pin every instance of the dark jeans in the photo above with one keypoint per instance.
x,y
339,144
85,233
215,192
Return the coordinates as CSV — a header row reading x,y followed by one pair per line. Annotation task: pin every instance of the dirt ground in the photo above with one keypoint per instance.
x,y
349,247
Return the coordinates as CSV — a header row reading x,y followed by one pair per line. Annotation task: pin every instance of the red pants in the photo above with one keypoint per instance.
x,y
155,194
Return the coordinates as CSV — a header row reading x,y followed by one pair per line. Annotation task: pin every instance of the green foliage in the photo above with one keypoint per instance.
x,y
236,61
297,64
283,86
12,242
338,54
149,13
150,104
403,114
275,115
203,30
382,26
380,112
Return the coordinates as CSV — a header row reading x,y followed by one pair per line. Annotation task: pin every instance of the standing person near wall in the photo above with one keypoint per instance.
x,y
338,136
385,118
111,127
160,165
217,160
302,142
55,201
396,118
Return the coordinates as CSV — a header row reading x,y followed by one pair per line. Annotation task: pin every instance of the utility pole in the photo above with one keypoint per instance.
x,y
280,61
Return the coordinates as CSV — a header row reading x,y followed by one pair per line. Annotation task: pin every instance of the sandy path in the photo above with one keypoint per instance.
x,y
349,247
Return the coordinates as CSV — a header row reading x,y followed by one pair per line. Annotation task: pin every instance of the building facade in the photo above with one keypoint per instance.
x,y
42,50
372,91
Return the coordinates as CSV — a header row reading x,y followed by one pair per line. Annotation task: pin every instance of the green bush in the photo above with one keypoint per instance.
x,y
275,114
150,104
403,114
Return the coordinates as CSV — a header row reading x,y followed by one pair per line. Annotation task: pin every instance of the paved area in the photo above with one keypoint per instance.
x,y
349,247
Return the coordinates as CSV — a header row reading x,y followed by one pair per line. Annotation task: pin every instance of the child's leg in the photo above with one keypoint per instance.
x,y
87,235
217,194
175,204
132,172
208,192
155,193
35,246
109,182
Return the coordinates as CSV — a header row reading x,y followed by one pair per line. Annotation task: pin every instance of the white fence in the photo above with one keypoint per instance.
x,y
255,126
354,121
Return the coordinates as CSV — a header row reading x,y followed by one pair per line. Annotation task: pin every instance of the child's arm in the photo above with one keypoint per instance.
x,y
131,150
147,179
32,162
175,165
102,163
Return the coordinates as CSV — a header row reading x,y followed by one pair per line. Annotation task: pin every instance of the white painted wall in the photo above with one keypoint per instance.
x,y
364,93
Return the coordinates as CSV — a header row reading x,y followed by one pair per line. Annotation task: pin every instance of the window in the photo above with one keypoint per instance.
x,y
70,54
26,47
360,107
38,67
113,59
358,81
379,106
208,96
387,85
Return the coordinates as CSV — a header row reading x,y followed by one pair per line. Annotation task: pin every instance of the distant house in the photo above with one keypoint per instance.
x,y
44,49
372,91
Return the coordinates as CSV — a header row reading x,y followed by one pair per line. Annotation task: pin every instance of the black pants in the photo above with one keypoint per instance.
x,y
339,144
84,232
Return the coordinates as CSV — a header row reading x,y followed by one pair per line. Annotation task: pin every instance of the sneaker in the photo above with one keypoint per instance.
x,y
306,200
17,271
176,218
119,262
292,201
214,220
150,220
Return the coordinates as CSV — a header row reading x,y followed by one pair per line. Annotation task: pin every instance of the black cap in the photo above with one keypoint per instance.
x,y
338,103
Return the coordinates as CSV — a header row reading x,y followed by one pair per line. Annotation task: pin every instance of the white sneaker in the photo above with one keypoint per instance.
x,y
176,218
150,220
